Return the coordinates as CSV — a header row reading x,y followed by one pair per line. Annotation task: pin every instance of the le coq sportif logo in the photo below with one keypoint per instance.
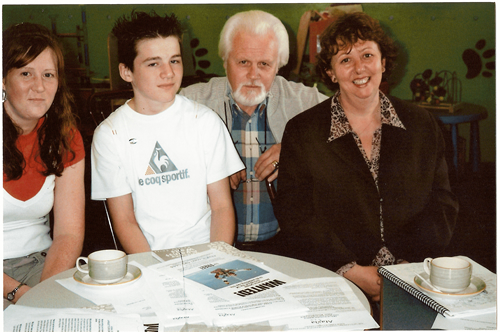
x,y
160,162
161,170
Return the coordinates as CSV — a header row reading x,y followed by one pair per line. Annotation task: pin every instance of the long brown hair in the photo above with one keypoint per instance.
x,y
22,43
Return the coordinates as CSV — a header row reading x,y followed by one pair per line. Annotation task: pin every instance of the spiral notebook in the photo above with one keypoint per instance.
x,y
415,292
484,302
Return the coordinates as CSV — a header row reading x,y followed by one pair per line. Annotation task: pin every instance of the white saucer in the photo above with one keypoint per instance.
x,y
133,274
476,286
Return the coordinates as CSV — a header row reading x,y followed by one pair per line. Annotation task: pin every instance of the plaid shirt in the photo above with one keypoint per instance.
x,y
254,211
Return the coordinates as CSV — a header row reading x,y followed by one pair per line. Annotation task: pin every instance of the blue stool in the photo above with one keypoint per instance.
x,y
463,113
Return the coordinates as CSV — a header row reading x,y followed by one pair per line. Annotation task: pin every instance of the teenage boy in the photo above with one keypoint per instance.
x,y
162,161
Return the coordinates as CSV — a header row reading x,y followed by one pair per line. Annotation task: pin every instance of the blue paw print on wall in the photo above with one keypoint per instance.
x,y
473,60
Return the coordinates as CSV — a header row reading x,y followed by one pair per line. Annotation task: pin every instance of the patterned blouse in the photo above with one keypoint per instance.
x,y
340,127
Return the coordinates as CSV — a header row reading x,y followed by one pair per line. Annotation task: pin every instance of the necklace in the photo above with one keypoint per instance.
x,y
360,133
355,116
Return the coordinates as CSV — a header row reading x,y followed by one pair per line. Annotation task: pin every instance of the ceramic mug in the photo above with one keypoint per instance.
x,y
104,266
449,274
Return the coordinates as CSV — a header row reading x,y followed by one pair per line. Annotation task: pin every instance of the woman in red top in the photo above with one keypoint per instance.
x,y
43,162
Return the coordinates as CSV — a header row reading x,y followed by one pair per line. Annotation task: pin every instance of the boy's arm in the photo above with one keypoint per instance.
x,y
222,226
125,225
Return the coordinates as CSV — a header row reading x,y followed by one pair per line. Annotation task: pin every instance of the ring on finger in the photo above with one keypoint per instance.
x,y
275,164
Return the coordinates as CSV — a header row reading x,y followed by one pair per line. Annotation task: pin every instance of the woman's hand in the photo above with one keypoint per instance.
x,y
366,278
8,286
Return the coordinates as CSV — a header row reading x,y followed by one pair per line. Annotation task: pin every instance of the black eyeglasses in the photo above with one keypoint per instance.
x,y
269,185
262,147
262,150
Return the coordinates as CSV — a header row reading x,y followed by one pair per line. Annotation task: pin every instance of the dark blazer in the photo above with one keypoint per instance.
x,y
328,205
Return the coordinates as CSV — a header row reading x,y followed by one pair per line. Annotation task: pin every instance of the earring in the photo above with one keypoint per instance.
x,y
4,96
334,79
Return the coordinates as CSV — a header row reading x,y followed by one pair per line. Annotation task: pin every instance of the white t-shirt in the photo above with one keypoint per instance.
x,y
25,223
166,162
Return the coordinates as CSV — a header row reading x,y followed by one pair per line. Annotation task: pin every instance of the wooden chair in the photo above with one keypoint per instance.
x,y
102,103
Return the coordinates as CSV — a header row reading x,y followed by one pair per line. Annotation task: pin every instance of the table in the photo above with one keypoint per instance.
x,y
50,294
463,113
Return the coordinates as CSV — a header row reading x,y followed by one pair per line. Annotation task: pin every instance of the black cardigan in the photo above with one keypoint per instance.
x,y
328,204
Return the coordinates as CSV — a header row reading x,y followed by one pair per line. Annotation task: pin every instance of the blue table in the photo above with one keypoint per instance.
x,y
463,113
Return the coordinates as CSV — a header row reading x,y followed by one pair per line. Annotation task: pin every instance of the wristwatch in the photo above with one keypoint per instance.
x,y
11,295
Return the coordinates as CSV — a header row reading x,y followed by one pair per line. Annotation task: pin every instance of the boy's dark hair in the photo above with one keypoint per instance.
x,y
141,25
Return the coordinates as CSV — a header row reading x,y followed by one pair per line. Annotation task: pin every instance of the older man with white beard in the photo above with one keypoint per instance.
x,y
255,104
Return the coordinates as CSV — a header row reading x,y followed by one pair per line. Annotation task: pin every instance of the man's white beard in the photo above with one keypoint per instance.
x,y
251,99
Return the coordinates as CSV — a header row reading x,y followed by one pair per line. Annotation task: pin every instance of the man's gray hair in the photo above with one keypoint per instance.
x,y
254,22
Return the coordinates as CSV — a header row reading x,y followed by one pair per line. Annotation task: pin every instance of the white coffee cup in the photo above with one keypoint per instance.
x,y
104,266
449,274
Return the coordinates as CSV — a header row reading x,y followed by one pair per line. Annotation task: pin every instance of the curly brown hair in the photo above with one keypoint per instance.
x,y
21,44
345,32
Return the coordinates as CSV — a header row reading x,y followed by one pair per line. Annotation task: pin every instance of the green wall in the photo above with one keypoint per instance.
x,y
431,36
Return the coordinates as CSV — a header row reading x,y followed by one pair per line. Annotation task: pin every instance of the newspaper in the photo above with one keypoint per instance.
x,y
133,297
231,290
223,275
331,303
168,298
257,308
19,318
477,322
217,289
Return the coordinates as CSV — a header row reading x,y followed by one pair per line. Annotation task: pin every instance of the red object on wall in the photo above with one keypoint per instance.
x,y
315,30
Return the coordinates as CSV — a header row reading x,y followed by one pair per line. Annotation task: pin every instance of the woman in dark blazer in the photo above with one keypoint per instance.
x,y
363,179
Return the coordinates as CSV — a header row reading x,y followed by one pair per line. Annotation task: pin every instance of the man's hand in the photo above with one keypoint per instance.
x,y
366,278
263,167
237,178
265,164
